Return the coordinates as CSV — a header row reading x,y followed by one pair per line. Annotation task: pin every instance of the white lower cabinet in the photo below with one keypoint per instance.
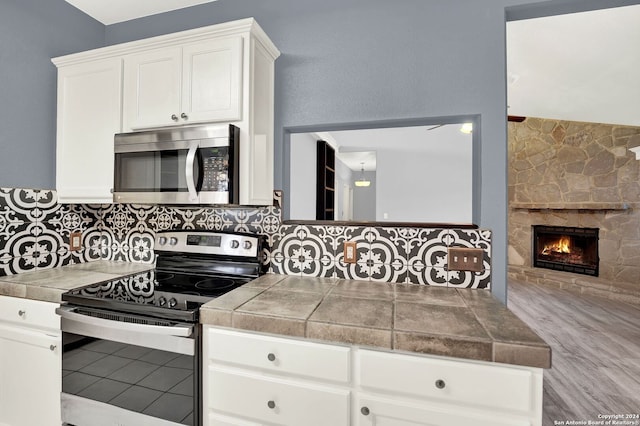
x,y
254,379
30,363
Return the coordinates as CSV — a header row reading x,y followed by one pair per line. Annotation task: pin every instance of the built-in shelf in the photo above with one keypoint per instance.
x,y
325,181
570,206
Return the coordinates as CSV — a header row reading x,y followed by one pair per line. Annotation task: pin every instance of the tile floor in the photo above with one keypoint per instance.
x,y
144,380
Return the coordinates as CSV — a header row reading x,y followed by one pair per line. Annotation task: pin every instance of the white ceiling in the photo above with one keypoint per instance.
x,y
354,147
580,67
113,11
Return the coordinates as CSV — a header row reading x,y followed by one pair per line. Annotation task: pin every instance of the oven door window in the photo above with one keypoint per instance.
x,y
153,171
139,379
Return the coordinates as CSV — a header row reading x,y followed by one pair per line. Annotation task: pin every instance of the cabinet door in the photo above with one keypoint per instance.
x,y
30,377
212,80
375,411
89,102
152,87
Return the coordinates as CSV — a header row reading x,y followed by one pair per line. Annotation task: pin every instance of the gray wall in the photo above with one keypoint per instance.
x,y
343,61
31,33
364,198
424,186
350,61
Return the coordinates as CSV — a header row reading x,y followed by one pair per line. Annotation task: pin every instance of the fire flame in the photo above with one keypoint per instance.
x,y
560,246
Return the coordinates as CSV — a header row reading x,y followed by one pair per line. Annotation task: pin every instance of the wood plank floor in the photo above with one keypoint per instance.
x,y
595,346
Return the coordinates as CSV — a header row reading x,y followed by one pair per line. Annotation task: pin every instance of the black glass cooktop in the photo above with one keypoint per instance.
x,y
156,293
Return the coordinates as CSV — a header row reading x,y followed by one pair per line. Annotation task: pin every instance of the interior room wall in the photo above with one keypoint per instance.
x,y
344,181
364,198
342,62
31,33
373,60
419,187
303,167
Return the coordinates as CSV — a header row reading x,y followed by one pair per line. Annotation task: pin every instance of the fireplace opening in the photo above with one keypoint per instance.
x,y
566,249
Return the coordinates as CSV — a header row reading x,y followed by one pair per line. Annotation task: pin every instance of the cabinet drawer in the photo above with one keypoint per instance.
x,y
442,380
277,401
375,411
215,419
30,313
308,359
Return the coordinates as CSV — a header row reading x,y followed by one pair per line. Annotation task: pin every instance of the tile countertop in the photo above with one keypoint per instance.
x,y
460,323
49,284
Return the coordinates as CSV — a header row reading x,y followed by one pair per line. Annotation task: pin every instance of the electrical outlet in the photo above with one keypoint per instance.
x,y
465,259
75,241
349,252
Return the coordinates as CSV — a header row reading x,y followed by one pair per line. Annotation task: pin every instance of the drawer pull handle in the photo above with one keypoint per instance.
x,y
440,384
21,312
174,117
271,357
365,411
52,348
184,116
271,404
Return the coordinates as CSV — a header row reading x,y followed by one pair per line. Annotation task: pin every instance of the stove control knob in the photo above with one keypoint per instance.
x,y
162,241
235,244
162,301
173,241
172,302
246,245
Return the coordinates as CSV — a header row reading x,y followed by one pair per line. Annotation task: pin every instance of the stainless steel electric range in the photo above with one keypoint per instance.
x,y
132,345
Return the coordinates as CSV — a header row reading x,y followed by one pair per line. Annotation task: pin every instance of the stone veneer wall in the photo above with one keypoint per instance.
x,y
35,231
582,175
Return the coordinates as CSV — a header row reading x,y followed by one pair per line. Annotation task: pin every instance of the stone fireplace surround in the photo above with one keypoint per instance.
x,y
564,173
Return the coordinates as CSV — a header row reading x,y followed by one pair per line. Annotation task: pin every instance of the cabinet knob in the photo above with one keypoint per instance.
x,y
365,411
271,404
174,117
184,116
52,348
21,312
271,357
440,384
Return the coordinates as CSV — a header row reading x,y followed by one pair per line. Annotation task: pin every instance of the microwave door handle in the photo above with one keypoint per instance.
x,y
191,183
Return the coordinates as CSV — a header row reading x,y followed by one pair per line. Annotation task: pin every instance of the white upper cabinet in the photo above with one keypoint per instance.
x,y
223,73
152,88
195,83
89,103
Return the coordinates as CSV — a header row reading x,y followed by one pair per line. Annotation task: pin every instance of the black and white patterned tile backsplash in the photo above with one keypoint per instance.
x,y
35,231
390,254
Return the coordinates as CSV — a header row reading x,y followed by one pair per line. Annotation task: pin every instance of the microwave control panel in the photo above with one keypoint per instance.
x,y
215,173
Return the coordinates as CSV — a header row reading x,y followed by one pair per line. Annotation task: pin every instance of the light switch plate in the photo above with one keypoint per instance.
x,y
465,259
349,252
75,241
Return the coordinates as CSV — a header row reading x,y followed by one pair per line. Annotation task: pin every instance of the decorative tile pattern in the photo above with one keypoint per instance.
x,y
19,251
35,231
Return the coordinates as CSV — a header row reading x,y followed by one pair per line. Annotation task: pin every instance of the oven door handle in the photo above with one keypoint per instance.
x,y
178,330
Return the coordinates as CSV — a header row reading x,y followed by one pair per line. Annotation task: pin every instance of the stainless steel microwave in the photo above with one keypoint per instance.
x,y
182,165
